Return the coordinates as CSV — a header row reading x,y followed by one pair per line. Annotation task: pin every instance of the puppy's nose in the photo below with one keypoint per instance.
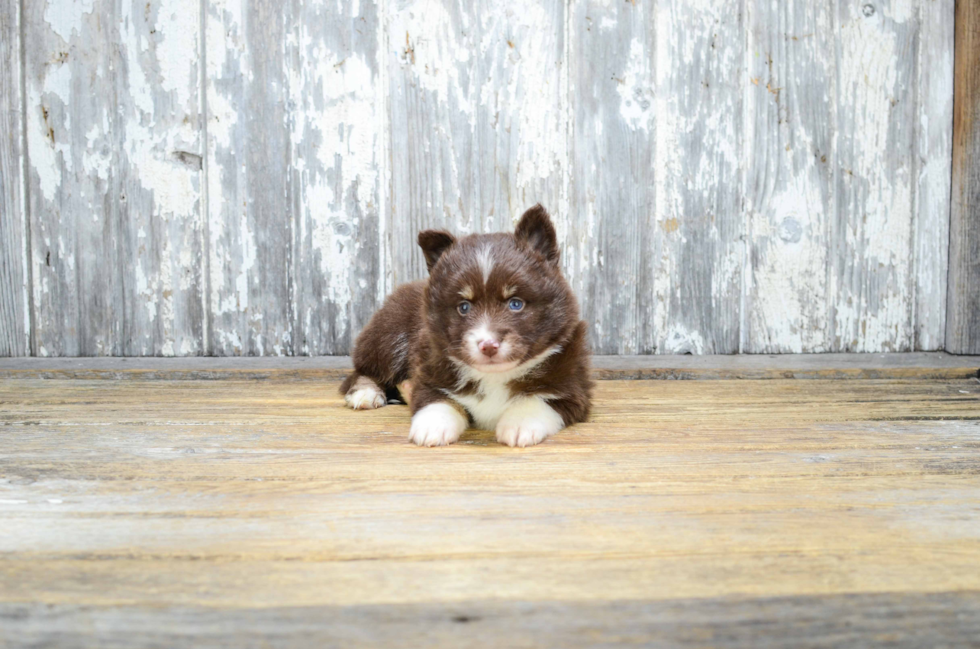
x,y
489,347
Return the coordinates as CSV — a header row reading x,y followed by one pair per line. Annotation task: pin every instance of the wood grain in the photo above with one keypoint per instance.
x,y
295,166
115,152
15,326
790,197
871,236
336,152
894,620
963,314
908,366
932,168
248,178
707,502
610,234
250,219
699,107
477,119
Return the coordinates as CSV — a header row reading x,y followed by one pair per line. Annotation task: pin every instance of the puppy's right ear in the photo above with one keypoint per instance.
x,y
433,244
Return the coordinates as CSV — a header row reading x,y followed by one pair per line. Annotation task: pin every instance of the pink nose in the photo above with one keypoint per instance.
x,y
489,347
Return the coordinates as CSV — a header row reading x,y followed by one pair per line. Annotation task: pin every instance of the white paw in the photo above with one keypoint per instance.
x,y
365,394
528,422
437,424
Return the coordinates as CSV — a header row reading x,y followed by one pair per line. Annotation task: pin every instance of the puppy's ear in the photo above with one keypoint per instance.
x,y
433,244
536,232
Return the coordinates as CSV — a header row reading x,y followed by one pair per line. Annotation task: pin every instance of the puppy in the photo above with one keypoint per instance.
x,y
492,338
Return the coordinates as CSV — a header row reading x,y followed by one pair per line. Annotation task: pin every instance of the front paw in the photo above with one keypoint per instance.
x,y
437,424
527,423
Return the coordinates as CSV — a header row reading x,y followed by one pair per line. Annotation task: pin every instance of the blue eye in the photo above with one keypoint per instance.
x,y
463,308
515,304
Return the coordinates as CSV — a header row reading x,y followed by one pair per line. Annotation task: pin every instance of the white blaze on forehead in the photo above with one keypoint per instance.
x,y
485,259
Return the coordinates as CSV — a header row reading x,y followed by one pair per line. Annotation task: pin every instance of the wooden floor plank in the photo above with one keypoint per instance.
x,y
916,365
246,511
895,620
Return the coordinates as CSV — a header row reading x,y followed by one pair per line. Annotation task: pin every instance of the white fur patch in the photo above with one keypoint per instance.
x,y
493,394
365,395
437,424
481,332
528,421
485,259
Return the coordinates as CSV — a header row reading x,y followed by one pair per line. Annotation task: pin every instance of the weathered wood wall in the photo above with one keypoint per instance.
x,y
247,176
963,326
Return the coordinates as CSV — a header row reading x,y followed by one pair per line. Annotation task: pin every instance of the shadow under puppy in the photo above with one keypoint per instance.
x,y
493,338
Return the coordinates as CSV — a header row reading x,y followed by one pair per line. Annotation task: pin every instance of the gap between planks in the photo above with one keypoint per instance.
x,y
917,365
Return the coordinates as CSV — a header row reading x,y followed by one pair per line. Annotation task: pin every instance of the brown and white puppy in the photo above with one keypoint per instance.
x,y
493,338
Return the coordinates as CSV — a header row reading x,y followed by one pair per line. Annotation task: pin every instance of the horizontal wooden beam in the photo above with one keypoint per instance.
x,y
919,365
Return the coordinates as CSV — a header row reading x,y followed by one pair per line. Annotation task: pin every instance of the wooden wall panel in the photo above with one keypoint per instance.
x,y
249,216
336,166
611,243
15,326
871,236
294,174
789,159
247,177
698,268
933,170
115,150
963,315
477,122
656,175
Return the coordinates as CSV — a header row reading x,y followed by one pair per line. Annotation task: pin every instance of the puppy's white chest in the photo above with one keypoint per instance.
x,y
488,403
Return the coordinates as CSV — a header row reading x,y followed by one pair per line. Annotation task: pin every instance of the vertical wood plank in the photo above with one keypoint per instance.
x,y
697,265
295,144
612,244
14,308
336,148
791,96
872,280
963,314
115,158
249,219
932,162
477,118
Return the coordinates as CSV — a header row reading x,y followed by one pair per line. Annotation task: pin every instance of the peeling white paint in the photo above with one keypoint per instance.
x,y
433,47
636,88
65,18
176,51
494,100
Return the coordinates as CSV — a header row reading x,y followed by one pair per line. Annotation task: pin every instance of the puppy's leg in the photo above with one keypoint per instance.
x,y
363,393
528,421
405,391
438,424
436,421
381,354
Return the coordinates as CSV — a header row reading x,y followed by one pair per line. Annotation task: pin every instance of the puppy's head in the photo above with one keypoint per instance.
x,y
495,301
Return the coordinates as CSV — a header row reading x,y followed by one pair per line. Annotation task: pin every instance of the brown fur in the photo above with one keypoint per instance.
x,y
419,331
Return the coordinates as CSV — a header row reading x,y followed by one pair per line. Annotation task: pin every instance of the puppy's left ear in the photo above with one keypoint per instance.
x,y
536,232
433,244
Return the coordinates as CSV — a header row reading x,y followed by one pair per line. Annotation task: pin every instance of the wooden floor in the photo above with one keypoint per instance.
x,y
687,513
